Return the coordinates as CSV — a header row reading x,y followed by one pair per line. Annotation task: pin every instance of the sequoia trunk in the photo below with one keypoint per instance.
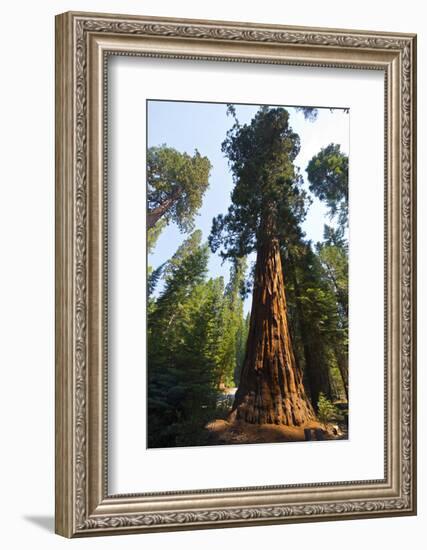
x,y
271,388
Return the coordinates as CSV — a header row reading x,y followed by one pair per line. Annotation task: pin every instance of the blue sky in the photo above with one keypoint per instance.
x,y
187,126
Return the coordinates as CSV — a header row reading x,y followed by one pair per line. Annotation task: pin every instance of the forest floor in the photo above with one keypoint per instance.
x,y
223,432
226,432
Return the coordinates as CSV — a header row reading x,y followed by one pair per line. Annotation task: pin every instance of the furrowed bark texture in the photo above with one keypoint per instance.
x,y
271,389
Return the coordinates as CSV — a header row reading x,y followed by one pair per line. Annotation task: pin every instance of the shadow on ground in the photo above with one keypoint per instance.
x,y
44,522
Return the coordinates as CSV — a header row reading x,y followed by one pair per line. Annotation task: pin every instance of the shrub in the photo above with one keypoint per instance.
x,y
326,410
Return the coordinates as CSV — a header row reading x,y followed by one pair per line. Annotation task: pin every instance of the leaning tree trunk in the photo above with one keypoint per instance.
x,y
271,389
154,215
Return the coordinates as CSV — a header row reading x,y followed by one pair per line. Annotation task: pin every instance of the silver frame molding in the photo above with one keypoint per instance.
x,y
83,43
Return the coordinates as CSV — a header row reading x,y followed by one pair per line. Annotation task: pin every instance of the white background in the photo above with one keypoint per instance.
x,y
27,275
131,81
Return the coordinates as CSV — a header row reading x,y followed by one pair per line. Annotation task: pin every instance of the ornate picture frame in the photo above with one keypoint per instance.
x,y
84,42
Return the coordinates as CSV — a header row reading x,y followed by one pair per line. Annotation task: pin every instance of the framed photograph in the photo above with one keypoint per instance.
x,y
235,274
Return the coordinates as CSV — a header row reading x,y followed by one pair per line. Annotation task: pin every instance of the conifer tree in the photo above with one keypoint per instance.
x,y
176,183
267,204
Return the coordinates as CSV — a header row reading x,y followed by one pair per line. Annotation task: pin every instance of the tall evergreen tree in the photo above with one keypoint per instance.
x,y
267,204
233,322
333,255
192,339
314,317
176,183
328,176
153,233
177,373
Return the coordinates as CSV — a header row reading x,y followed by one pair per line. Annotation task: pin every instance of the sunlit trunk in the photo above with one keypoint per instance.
x,y
271,388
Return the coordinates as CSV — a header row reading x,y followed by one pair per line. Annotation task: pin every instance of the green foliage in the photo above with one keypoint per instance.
x,y
335,262
326,411
268,202
333,255
241,341
310,113
233,323
317,295
153,234
328,176
176,183
180,388
338,390
192,332
313,315
153,278
197,332
267,199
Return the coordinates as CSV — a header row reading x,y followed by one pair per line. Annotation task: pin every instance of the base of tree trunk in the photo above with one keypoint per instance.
x,y
271,389
290,412
224,432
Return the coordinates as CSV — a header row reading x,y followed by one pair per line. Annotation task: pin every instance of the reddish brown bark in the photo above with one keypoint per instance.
x,y
271,389
154,215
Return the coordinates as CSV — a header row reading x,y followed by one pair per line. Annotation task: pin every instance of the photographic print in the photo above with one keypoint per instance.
x,y
204,303
247,239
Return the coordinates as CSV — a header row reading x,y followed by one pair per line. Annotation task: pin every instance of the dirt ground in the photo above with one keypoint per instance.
x,y
223,432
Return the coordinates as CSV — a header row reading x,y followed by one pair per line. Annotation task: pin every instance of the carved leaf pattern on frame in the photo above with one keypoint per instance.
x,y
211,31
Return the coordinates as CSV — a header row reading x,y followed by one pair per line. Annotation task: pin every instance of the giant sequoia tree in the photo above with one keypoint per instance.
x,y
176,183
267,204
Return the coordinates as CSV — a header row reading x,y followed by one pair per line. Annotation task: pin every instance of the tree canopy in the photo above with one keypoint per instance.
x,y
176,183
267,197
328,176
